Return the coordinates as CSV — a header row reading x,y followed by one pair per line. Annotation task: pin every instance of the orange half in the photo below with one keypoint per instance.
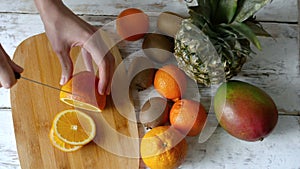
x,y
81,92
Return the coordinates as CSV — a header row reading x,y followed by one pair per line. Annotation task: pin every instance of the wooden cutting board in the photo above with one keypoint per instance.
x,y
34,107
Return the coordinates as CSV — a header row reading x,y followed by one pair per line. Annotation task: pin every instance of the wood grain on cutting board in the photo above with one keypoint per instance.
x,y
34,107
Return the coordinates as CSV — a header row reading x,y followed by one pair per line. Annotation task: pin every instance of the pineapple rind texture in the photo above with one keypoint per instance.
x,y
197,56
211,48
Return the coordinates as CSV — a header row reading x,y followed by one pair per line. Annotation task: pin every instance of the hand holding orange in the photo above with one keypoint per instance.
x,y
83,93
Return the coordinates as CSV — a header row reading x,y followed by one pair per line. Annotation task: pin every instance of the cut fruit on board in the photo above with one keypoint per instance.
x,y
34,108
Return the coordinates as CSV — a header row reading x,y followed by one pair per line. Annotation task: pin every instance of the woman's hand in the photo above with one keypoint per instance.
x,y
7,69
66,30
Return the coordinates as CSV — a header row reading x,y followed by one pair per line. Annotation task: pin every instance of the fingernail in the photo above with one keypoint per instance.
x,y
108,92
20,69
100,91
7,85
62,80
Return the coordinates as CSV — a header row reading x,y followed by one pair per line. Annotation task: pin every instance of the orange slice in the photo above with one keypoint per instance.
x,y
81,91
58,143
74,127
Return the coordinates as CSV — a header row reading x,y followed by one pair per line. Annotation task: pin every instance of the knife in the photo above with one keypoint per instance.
x,y
18,76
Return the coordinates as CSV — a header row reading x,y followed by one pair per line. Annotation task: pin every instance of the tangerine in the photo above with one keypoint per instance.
x,y
132,24
163,147
188,116
170,82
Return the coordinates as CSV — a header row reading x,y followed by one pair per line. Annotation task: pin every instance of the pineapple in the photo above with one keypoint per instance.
x,y
214,42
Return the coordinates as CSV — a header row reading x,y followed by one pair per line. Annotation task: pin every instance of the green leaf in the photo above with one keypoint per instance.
x,y
225,11
244,30
213,6
247,8
203,9
197,19
257,29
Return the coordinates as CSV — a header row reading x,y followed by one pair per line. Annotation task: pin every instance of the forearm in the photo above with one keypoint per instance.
x,y
51,10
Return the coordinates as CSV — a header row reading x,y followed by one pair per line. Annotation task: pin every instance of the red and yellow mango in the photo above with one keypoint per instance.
x,y
245,111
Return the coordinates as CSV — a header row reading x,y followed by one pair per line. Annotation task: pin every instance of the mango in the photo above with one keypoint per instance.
x,y
245,111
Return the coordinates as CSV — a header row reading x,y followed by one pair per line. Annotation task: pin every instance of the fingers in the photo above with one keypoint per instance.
x,y
66,65
111,72
7,77
103,78
88,62
101,55
15,67
106,70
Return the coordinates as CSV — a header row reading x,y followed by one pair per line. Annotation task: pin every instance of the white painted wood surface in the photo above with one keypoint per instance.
x,y
275,69
280,150
278,10
8,149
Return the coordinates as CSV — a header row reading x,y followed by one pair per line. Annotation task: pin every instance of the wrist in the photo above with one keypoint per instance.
x,y
50,10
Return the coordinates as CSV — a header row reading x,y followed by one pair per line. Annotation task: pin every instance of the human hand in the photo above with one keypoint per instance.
x,y
7,69
66,30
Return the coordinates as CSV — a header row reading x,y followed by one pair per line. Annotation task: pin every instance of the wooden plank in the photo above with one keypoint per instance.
x,y
278,10
278,150
34,108
8,150
14,28
275,68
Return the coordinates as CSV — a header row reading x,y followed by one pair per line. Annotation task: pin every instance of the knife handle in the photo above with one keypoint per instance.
x,y
17,75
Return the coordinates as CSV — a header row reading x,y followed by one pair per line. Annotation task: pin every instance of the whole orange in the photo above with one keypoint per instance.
x,y
81,92
132,24
170,82
163,147
188,116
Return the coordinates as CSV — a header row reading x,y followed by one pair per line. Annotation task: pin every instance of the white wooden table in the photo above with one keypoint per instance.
x,y
276,69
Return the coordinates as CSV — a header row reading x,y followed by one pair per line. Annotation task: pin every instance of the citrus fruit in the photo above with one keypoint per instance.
x,y
74,127
82,92
188,116
163,147
170,82
132,24
61,145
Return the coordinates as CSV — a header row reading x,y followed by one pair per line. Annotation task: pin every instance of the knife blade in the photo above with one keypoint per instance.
x,y
18,76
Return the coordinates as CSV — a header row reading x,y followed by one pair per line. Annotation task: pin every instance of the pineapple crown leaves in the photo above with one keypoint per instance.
x,y
218,18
